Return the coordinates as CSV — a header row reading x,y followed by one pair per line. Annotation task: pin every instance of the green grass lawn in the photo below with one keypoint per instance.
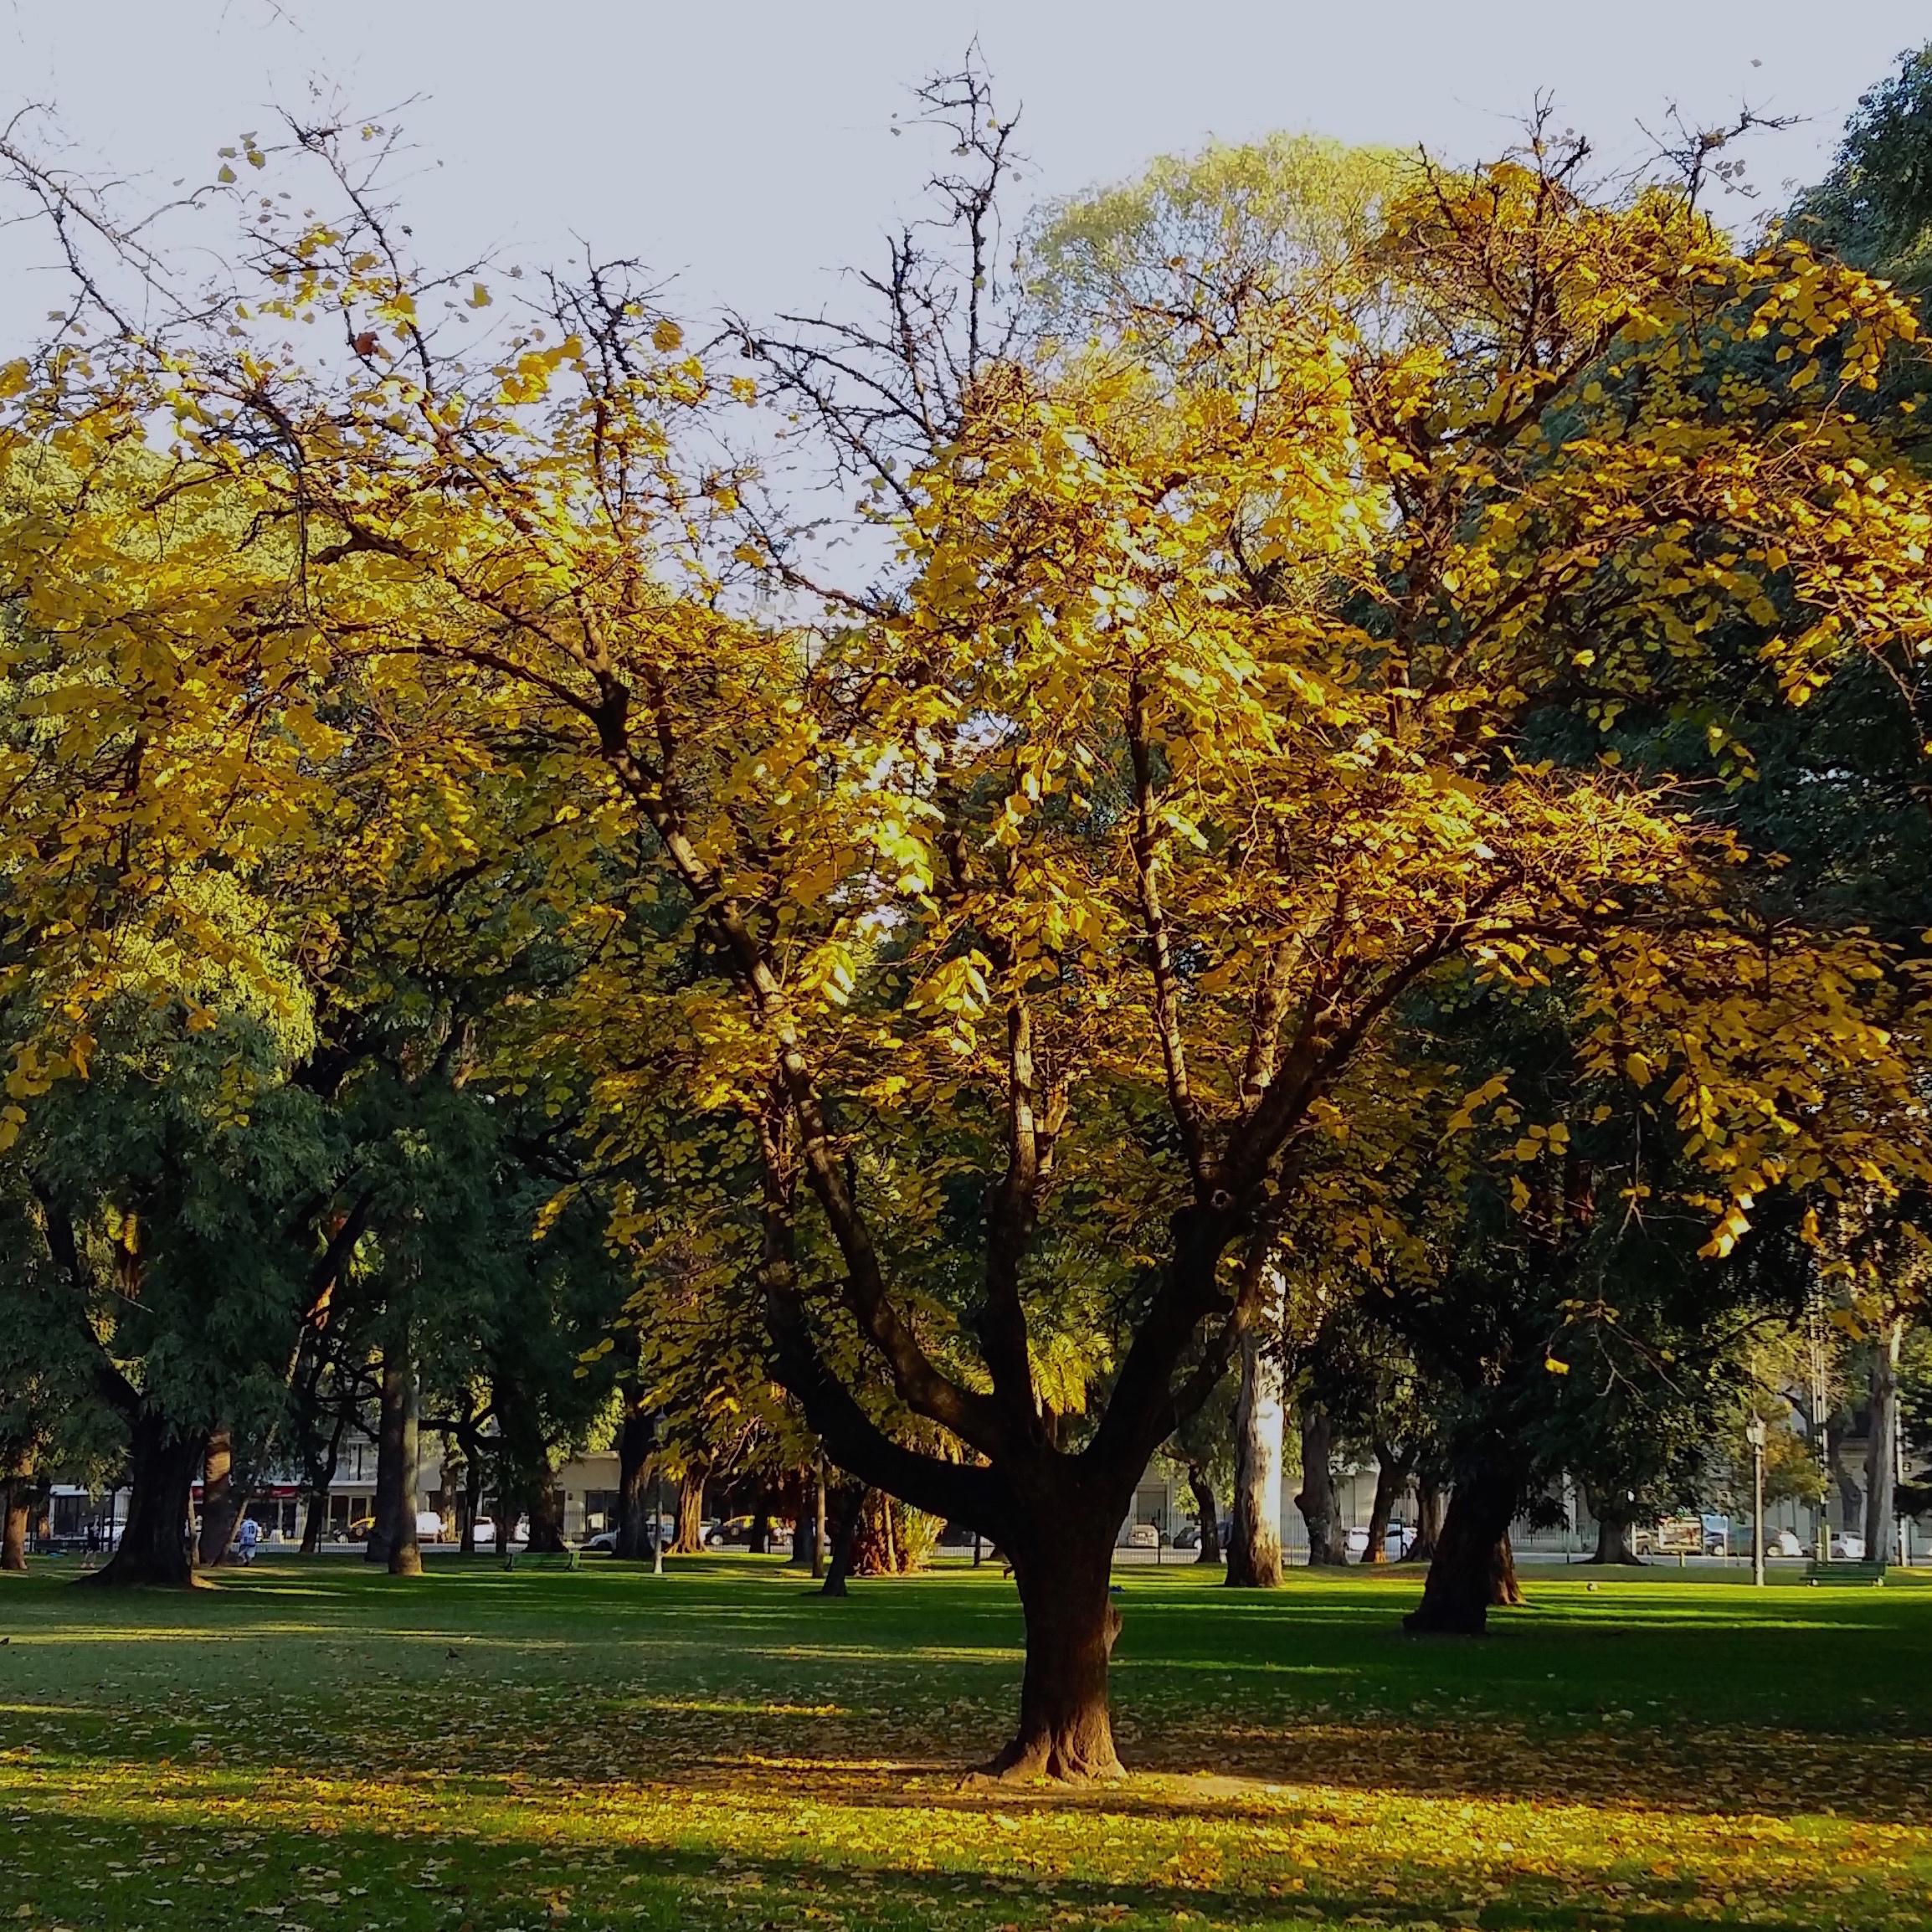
x,y
312,1746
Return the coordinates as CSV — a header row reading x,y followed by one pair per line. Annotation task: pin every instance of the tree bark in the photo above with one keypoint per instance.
x,y
636,1442
689,1513
845,1540
1392,1472
1613,1530
819,1534
1327,1544
16,1500
154,1546
472,1495
546,1514
221,1500
1880,1444
320,1476
393,1538
1428,1520
1474,1565
803,1554
1255,1548
1209,1549
1065,1730
760,1536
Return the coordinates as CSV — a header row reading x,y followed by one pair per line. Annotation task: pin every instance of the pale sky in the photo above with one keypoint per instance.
x,y
746,148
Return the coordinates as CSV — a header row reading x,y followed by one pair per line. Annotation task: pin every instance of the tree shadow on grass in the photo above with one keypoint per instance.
x,y
76,1866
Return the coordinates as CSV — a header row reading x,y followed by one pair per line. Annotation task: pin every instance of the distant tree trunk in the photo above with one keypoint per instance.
x,y
691,1512
1327,1544
16,1500
845,1540
1880,1444
802,1550
636,1442
1474,1565
321,1478
546,1514
820,1555
472,1495
1209,1549
1255,1549
1428,1520
1850,1497
760,1536
1392,1472
154,1543
393,1537
221,1499
1615,1520
1503,1588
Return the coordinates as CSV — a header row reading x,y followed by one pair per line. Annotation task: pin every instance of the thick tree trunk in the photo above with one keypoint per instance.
x,y
1255,1547
845,1540
154,1544
16,1500
1474,1565
761,1537
1209,1549
1428,1521
1328,1545
1613,1530
1391,1480
1882,1444
1066,1730
546,1513
393,1539
689,1513
636,1442
221,1500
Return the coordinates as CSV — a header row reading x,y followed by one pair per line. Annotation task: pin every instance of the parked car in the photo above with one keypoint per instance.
x,y
1786,1542
737,1535
1188,1536
1846,1547
1396,1540
428,1528
1145,1536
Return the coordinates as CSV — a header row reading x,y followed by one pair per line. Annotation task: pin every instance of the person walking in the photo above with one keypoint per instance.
x,y
251,1534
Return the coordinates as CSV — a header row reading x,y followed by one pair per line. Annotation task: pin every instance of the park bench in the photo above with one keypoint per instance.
x,y
1870,1569
543,1560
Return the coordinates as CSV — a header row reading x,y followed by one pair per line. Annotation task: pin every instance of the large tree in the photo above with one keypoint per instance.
x,y
1071,874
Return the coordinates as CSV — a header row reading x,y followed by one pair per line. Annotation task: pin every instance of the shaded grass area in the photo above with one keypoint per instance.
x,y
313,1747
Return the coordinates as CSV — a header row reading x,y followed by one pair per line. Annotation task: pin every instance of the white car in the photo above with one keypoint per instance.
x,y
1786,1542
1397,1541
1144,1536
1846,1547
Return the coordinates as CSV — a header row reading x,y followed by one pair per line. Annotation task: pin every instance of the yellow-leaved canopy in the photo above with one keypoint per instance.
x,y
1020,928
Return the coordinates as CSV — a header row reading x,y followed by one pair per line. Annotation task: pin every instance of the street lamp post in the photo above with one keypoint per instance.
x,y
1755,1435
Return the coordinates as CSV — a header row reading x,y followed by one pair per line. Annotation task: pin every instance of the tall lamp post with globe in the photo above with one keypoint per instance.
x,y
1755,1435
